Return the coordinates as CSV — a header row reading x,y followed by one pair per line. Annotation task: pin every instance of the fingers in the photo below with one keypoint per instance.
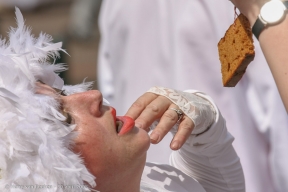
x,y
184,131
167,121
139,105
153,111
150,107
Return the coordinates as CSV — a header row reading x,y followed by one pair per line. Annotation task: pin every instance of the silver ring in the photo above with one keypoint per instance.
x,y
179,113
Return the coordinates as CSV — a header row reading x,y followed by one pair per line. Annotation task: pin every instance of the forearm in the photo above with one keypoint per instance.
x,y
219,173
211,159
274,44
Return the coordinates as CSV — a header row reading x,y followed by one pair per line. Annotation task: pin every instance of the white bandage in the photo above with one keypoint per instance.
x,y
198,109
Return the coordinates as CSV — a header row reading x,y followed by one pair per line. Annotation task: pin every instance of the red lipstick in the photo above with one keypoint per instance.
x,y
113,111
128,124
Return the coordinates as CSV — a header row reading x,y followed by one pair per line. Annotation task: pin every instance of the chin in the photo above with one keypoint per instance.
x,y
145,139
141,141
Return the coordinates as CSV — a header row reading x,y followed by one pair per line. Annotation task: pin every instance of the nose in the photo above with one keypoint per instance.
x,y
95,99
89,101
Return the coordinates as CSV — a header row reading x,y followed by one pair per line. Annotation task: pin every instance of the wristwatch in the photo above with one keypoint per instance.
x,y
271,13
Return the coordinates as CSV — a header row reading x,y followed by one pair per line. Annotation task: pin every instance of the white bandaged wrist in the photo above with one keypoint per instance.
x,y
198,109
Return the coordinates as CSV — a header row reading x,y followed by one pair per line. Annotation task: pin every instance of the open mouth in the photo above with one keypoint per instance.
x,y
119,125
124,124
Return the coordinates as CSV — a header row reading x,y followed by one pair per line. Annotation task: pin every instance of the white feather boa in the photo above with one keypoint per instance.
x,y
34,143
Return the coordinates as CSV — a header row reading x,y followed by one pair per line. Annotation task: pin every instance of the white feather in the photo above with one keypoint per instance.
x,y
34,142
72,89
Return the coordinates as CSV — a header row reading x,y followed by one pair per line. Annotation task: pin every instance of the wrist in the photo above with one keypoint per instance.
x,y
271,13
254,12
252,17
250,10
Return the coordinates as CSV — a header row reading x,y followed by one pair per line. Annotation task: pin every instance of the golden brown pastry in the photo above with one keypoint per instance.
x,y
236,51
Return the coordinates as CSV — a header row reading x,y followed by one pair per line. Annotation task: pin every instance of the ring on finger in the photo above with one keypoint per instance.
x,y
179,113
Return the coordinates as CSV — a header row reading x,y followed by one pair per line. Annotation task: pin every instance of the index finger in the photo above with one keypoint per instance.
x,y
140,104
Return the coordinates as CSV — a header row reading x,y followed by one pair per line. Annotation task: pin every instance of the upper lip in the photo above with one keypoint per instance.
x,y
113,111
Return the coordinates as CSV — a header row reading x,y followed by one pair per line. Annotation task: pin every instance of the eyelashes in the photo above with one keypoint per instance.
x,y
68,116
62,92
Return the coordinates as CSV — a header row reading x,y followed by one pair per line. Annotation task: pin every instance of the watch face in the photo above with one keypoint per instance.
x,y
272,11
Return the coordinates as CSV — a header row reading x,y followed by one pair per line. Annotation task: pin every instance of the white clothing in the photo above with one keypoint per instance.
x,y
146,43
163,177
209,158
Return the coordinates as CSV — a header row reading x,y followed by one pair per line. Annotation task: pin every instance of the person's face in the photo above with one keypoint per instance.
x,y
105,151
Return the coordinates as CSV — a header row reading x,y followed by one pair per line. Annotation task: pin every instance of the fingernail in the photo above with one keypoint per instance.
x,y
154,137
175,145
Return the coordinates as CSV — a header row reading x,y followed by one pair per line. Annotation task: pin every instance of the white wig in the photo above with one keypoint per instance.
x,y
34,141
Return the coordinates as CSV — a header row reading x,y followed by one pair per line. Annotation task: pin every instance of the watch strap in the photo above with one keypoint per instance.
x,y
259,25
257,28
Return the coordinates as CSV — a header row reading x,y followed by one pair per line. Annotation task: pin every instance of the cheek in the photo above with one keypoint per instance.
x,y
96,145
93,133
91,139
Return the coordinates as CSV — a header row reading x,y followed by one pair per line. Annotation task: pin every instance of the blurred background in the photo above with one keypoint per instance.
x,y
80,35
155,42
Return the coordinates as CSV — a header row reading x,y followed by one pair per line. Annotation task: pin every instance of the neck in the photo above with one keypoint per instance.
x,y
123,184
128,181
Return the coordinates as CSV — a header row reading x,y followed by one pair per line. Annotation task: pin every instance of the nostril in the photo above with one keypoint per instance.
x,y
95,109
96,99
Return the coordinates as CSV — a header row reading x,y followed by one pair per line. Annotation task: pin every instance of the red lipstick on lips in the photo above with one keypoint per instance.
x,y
113,111
128,124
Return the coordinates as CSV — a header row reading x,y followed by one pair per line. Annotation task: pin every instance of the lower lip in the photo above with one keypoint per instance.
x,y
128,124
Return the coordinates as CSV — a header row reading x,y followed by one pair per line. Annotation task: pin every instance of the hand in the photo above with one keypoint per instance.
x,y
150,107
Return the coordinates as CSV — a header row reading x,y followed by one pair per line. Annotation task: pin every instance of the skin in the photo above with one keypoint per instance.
x,y
274,44
150,107
117,161
250,8
105,153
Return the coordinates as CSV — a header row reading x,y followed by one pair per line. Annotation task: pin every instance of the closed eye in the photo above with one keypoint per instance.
x,y
68,116
44,89
63,93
